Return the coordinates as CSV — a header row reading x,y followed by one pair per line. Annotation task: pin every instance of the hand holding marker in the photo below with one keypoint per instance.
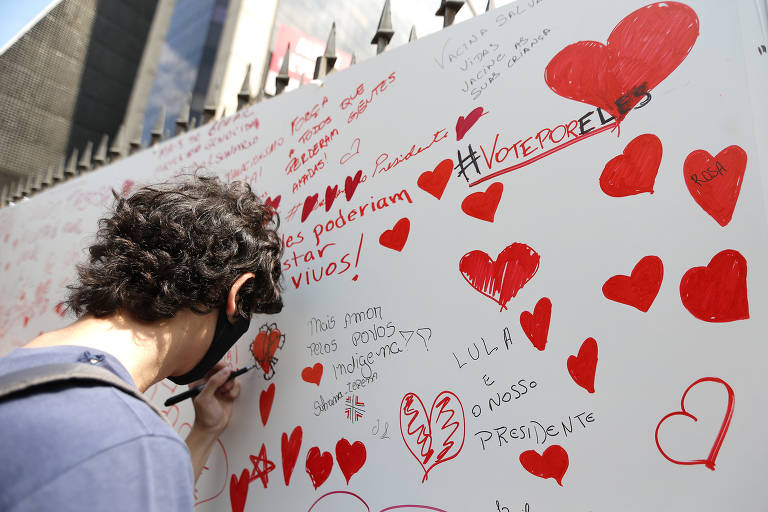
x,y
193,392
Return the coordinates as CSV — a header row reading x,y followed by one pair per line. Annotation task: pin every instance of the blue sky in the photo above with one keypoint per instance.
x,y
15,14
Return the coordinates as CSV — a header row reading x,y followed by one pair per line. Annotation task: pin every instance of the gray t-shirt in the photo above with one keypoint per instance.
x,y
87,447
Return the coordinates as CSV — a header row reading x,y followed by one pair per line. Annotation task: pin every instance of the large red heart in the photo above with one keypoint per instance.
x,y
434,182
264,347
482,205
313,374
350,457
289,448
715,183
396,237
309,205
582,367
717,292
552,463
464,124
536,325
330,196
638,290
500,280
265,402
273,202
238,490
440,430
634,171
318,466
710,460
350,184
642,50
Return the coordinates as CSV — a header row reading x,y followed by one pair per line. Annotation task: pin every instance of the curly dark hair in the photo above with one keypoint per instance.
x,y
168,247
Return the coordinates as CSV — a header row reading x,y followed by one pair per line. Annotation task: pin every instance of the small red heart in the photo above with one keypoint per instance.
x,y
396,237
318,466
715,183
264,347
350,184
434,182
536,325
290,449
634,171
265,402
273,203
552,463
482,205
582,367
238,490
309,205
350,457
717,292
638,290
463,125
330,196
313,374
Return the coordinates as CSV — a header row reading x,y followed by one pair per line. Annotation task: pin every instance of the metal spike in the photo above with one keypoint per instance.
x,y
84,165
134,146
157,132
48,179
384,31
58,175
18,191
412,37
100,158
282,78
118,144
353,60
4,199
244,96
71,169
209,113
192,123
27,190
490,5
448,10
37,182
182,122
325,63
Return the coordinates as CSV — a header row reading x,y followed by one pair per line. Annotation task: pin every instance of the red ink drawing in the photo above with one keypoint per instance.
x,y
396,237
61,309
434,182
482,205
262,466
127,187
354,498
318,466
238,490
582,367
330,196
464,124
717,292
266,398
313,374
273,203
204,499
642,50
309,205
500,280
350,184
443,429
634,171
715,182
710,460
552,463
289,448
639,289
264,346
350,457
354,409
536,325
354,150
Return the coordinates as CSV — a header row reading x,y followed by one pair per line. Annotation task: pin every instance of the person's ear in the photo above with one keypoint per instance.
x,y
231,298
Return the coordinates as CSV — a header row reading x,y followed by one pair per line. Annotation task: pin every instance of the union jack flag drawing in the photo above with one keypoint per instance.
x,y
354,408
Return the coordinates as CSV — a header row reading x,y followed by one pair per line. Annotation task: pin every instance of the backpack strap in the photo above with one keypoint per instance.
x,y
68,374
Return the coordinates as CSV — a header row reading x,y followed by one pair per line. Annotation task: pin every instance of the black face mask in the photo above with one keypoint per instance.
x,y
225,335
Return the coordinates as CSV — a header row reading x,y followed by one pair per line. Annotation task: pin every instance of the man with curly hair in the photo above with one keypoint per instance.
x,y
171,281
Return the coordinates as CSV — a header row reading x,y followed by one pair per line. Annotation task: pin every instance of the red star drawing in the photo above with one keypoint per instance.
x,y
267,465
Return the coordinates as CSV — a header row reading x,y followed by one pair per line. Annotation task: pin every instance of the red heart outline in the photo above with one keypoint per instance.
x,y
347,156
552,463
536,325
464,124
396,237
423,433
483,205
367,508
350,457
710,460
434,182
717,292
583,366
719,195
318,466
238,490
266,398
639,289
289,447
634,171
313,374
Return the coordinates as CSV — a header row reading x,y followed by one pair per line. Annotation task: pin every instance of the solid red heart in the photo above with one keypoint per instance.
x,y
290,447
313,374
717,292
463,125
634,171
238,490
642,50
500,280
330,196
273,202
715,182
309,205
318,466
265,402
536,325
482,205
552,463
396,237
712,457
350,457
264,347
434,182
582,367
350,184
638,290
440,430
